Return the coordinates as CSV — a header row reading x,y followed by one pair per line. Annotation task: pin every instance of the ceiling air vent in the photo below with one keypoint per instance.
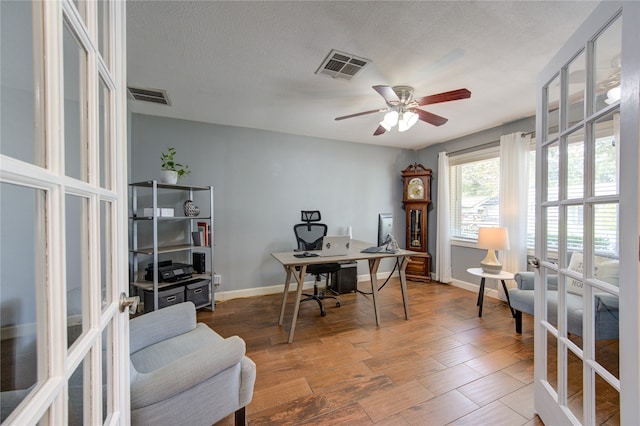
x,y
155,96
342,65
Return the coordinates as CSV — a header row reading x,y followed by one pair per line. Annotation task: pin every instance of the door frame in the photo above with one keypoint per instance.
x,y
101,317
629,207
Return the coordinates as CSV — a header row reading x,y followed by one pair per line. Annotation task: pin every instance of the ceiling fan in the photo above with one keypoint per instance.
x,y
403,110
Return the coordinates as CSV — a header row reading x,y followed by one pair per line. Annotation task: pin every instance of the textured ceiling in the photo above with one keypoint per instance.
x,y
252,63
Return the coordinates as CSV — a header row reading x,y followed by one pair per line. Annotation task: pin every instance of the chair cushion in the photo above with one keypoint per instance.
x,y
165,352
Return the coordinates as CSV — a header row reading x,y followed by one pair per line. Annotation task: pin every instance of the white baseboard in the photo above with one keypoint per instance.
x,y
221,296
475,288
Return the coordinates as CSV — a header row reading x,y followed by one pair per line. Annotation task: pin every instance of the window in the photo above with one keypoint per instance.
x,y
474,181
475,191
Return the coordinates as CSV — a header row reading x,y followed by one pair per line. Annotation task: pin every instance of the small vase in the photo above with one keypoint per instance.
x,y
169,176
190,209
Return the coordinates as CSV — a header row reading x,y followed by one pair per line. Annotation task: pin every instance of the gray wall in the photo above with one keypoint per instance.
x,y
263,179
463,257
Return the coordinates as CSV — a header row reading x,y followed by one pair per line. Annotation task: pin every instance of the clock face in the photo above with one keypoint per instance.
x,y
415,189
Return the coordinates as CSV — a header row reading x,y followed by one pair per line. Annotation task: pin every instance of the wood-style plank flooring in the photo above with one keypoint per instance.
x,y
442,366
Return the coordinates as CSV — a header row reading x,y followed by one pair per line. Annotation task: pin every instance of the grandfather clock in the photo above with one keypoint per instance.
x,y
416,196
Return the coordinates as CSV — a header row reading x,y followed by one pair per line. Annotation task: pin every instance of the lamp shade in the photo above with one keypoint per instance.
x,y
493,238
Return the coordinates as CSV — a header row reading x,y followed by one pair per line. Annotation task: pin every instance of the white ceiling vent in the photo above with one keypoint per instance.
x,y
155,96
342,65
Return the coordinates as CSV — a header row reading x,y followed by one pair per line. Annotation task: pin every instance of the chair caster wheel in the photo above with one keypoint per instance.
x,y
337,304
323,314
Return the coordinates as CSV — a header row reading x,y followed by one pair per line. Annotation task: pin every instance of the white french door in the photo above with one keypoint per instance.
x,y
587,127
63,260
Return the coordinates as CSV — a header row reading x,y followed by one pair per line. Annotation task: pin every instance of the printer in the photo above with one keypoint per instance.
x,y
169,272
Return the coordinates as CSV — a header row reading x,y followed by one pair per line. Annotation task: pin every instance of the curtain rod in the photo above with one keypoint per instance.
x,y
474,148
485,145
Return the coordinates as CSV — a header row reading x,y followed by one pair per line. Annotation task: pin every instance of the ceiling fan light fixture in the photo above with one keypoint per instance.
x,y
390,119
613,95
407,120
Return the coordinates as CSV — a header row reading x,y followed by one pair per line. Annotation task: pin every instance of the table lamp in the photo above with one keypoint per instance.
x,y
492,239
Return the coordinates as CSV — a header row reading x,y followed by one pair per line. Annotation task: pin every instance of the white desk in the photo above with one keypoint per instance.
x,y
290,262
501,276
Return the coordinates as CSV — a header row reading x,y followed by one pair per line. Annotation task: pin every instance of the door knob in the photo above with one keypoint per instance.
x,y
129,302
535,262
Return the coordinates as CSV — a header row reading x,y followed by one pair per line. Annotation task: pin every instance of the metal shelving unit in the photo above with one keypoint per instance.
x,y
159,245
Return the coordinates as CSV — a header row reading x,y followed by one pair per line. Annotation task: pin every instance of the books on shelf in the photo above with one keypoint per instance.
x,y
203,228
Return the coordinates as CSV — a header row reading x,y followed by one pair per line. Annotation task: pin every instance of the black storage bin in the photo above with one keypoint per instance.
x,y
197,291
344,280
166,297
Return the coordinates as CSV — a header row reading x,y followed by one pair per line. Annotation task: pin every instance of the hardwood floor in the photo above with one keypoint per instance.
x,y
443,366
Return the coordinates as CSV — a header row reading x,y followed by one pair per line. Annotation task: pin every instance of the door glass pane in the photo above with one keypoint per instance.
x,y
607,149
574,385
552,361
551,213
606,232
575,164
17,92
76,386
553,171
75,110
576,76
607,403
607,329
22,266
607,63
104,141
552,296
77,261
107,356
103,30
575,229
106,264
553,102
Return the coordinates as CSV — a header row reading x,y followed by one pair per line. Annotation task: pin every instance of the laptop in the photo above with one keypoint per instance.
x,y
335,245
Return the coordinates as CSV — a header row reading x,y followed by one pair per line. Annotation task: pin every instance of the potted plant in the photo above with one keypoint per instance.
x,y
172,171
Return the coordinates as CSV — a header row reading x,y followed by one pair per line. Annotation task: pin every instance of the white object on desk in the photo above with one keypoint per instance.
x,y
500,276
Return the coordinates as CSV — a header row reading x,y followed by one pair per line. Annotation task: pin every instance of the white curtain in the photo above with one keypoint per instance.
x,y
514,188
443,236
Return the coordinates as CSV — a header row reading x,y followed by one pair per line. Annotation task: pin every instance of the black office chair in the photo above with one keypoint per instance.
x,y
309,236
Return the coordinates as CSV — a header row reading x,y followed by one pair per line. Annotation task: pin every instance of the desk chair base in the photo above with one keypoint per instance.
x,y
319,295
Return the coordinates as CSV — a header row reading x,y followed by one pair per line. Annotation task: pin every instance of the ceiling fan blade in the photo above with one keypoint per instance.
x,y
360,113
453,95
387,93
380,130
429,117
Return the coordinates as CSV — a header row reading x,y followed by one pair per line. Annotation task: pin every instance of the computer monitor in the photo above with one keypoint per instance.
x,y
385,227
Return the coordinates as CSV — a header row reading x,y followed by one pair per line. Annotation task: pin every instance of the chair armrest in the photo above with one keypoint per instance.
x,y
186,372
160,325
526,280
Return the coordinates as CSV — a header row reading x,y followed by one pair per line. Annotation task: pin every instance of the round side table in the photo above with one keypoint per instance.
x,y
501,276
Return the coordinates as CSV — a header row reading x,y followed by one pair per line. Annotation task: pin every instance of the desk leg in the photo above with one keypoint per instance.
x,y
296,307
373,273
506,293
404,261
285,294
481,297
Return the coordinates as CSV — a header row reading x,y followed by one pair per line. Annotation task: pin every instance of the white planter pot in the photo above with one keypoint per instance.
x,y
169,176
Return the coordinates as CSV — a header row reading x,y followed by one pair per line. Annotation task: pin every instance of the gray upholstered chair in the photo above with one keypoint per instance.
x,y
182,372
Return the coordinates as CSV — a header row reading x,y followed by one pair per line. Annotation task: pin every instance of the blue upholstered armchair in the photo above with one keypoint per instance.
x,y
182,372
